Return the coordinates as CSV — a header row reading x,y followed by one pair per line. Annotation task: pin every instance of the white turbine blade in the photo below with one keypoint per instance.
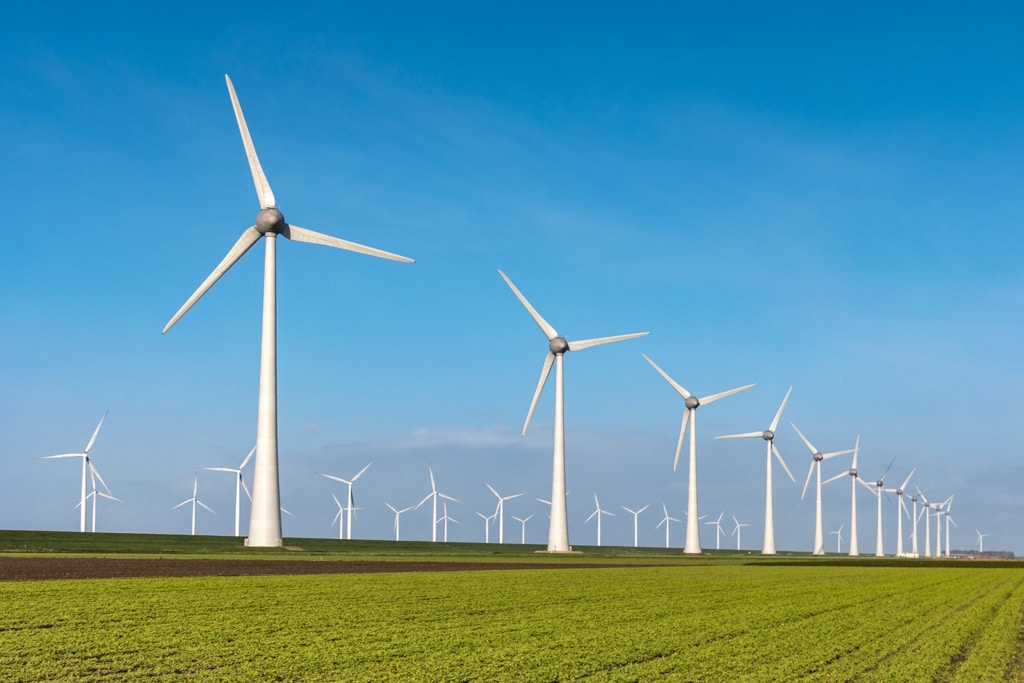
x,y
496,494
722,394
110,497
834,454
259,179
803,438
219,469
808,480
587,343
391,508
62,455
953,523
247,458
297,234
856,450
245,488
433,486
675,385
428,497
641,509
835,478
907,481
591,516
184,502
544,325
747,435
682,436
96,473
447,497
778,415
544,372
868,486
96,433
331,476
361,473
515,495
248,238
782,462
204,506
904,506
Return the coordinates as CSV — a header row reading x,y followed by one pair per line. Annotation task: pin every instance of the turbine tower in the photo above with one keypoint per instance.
x,y
901,507
945,511
690,418
816,459
854,480
769,438
239,487
879,488
265,517
926,506
558,530
84,455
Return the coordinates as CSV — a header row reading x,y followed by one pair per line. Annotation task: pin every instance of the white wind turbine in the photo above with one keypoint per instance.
x,y
854,480
488,520
95,493
981,546
839,538
597,513
500,510
718,530
265,516
769,438
636,516
879,488
435,494
926,513
445,518
901,509
398,514
339,518
945,512
195,501
558,530
523,521
666,520
939,509
351,500
817,457
239,487
913,534
690,418
736,530
84,455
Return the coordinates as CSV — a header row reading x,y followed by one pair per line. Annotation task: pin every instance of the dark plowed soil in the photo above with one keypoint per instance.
x,y
41,568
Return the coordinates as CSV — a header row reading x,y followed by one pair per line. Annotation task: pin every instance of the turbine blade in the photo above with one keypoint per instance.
x,y
682,435
247,458
447,497
496,494
835,478
331,476
808,480
587,343
803,438
245,488
96,473
62,455
783,463
868,486
361,472
259,179
544,372
834,454
96,433
248,238
856,450
778,415
747,435
675,385
907,480
294,232
722,394
545,327
204,506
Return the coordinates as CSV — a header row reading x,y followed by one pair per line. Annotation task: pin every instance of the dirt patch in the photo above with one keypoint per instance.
x,y
49,568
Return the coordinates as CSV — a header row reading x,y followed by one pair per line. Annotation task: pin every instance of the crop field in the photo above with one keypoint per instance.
x,y
706,621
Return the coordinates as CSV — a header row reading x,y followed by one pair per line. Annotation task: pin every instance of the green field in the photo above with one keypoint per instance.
x,y
713,618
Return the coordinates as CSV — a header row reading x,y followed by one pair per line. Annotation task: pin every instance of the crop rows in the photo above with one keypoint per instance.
x,y
685,623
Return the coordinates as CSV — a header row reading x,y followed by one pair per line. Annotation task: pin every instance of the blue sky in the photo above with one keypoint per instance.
x,y
802,195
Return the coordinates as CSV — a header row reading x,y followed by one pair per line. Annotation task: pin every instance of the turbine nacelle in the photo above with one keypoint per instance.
x,y
853,471
818,457
270,220
558,345
692,402
767,435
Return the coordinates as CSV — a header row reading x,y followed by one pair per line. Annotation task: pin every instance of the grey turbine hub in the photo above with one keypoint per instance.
x,y
270,220
558,345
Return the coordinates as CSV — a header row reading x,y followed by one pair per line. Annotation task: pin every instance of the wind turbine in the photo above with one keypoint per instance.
x,y
95,493
769,438
488,520
913,533
398,514
939,509
265,517
927,520
558,530
523,521
949,519
839,538
718,530
901,507
854,480
636,516
981,546
84,455
690,417
816,459
339,518
351,500
598,512
879,488
500,510
736,530
435,494
239,486
666,520
195,501
445,518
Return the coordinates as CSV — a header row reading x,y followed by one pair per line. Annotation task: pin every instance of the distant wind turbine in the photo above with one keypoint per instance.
x,y
839,538
195,501
854,480
84,455
445,518
558,530
817,457
901,509
926,506
981,545
879,488
398,514
239,487
690,417
636,516
434,494
945,512
351,501
769,438
265,516
95,493
718,530
597,513
500,510
523,521
736,530
666,520
488,520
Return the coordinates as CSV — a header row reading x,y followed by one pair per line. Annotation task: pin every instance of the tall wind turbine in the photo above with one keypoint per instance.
x,y
265,517
488,520
445,518
839,538
718,530
435,494
736,530
339,517
523,521
239,486
84,455
879,488
398,515
195,501
558,529
901,509
636,516
667,521
817,457
500,511
926,507
597,513
981,545
351,500
945,512
95,493
769,438
690,418
854,480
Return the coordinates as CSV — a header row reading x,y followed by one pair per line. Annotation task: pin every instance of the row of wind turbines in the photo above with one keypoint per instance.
x,y
265,517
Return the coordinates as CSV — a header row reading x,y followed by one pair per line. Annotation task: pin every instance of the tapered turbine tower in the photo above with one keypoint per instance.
x,y
769,438
816,459
558,531
265,518
854,480
690,418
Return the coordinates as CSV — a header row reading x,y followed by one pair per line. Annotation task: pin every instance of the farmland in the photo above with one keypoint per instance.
x,y
714,619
